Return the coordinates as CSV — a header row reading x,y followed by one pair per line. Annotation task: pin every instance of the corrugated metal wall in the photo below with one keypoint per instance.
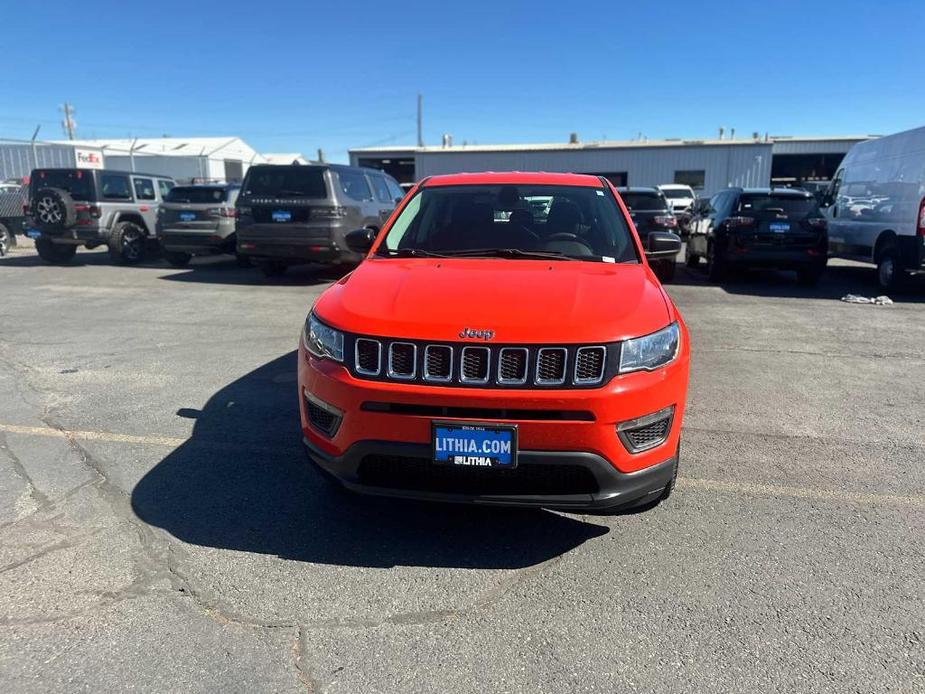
x,y
17,161
724,165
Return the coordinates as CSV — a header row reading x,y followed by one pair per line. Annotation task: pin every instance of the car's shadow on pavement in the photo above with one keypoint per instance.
x,y
224,270
242,482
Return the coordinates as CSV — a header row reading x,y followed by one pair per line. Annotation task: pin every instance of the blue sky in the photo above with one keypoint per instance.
x,y
295,76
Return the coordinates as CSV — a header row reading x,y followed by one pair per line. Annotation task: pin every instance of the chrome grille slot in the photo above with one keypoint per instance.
x,y
368,356
474,365
403,358
550,366
589,364
438,363
512,365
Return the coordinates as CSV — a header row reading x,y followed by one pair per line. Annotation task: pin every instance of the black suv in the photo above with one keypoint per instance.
x,y
69,208
651,212
288,215
759,227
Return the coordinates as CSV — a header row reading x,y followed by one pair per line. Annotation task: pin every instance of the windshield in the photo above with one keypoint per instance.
x,y
197,194
675,193
286,181
522,220
78,183
793,206
645,201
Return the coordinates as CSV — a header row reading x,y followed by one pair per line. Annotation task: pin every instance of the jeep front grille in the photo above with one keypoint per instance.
x,y
589,364
550,366
438,363
476,364
512,365
402,360
486,366
368,357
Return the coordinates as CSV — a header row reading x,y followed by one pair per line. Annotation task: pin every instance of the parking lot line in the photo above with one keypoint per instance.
x,y
92,435
723,486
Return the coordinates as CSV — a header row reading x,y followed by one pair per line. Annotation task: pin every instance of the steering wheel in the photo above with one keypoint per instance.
x,y
564,236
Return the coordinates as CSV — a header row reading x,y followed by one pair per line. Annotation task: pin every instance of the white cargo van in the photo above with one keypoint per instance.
x,y
876,206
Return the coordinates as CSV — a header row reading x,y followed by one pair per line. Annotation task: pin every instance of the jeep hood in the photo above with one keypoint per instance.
x,y
522,301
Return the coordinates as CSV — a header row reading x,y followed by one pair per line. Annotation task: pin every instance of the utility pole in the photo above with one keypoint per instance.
x,y
420,120
35,154
68,122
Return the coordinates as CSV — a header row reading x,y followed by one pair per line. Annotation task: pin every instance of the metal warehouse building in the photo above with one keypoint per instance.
x,y
705,165
194,159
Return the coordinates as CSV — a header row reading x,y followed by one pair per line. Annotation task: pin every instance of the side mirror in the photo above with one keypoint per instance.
x,y
662,244
361,240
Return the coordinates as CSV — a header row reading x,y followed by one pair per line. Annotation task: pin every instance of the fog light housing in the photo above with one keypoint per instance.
x,y
647,432
322,416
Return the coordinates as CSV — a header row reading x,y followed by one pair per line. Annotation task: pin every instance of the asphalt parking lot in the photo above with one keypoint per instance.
x,y
161,531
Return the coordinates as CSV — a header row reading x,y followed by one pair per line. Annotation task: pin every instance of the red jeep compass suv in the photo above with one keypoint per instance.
x,y
503,342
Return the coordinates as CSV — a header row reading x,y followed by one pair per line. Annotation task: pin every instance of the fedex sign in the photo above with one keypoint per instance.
x,y
88,159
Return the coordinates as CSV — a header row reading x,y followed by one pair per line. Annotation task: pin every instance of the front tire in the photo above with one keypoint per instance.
x,y
54,253
127,244
890,274
691,259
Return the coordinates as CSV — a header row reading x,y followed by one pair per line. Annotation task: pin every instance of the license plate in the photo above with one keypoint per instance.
x,y
779,227
475,445
187,216
281,216
33,233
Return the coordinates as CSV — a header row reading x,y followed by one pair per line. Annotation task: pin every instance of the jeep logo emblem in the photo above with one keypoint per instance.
x,y
467,333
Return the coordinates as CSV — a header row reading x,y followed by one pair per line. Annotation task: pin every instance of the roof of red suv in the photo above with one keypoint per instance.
x,y
515,177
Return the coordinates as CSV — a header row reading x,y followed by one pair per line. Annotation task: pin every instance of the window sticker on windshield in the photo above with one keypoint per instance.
x,y
608,259
600,193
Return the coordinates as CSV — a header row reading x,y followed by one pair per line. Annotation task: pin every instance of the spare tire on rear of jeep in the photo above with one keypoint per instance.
x,y
53,208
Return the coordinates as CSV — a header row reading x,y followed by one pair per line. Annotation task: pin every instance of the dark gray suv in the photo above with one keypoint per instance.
x,y
288,215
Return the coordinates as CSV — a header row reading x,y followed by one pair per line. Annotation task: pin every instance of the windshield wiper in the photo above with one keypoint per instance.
x,y
410,253
511,253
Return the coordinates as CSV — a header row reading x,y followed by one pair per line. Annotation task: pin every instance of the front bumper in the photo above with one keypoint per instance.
x,y
596,469
404,470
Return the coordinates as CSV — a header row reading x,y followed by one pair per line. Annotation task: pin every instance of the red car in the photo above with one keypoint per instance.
x,y
504,342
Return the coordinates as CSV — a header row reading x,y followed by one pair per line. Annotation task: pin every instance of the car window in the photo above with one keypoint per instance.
x,y
115,187
764,204
575,221
676,193
78,183
382,190
144,189
286,182
165,186
645,201
395,189
354,185
196,194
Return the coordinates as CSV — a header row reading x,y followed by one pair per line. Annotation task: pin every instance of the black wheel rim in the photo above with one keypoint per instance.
x,y
132,247
887,270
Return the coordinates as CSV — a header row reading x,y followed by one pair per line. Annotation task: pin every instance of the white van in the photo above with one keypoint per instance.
x,y
876,206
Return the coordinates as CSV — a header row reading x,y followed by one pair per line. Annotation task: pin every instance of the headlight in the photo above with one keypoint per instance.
x,y
321,340
650,351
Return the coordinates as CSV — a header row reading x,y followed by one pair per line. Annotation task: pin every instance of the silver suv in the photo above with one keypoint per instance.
x,y
69,208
